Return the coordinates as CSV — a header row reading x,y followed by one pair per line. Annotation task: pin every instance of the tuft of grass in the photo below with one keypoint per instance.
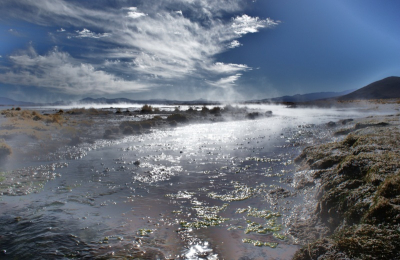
x,y
146,109
5,150
204,110
215,110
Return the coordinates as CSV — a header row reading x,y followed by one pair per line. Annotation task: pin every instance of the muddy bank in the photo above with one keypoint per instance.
x,y
357,214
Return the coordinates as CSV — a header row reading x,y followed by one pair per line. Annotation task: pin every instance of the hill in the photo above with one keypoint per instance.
x,y
11,102
307,97
382,89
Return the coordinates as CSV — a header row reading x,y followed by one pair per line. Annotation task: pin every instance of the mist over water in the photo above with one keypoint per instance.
x,y
198,191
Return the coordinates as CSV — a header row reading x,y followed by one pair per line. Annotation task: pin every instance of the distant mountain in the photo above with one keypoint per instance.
x,y
307,97
382,89
111,101
11,102
103,100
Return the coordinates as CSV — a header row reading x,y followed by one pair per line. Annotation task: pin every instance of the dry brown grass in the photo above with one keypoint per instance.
x,y
30,123
5,149
90,111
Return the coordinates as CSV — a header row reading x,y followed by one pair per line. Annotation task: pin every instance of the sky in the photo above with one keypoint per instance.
x,y
53,50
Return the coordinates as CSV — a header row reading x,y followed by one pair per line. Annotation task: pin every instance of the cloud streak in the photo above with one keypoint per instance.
x,y
60,72
153,40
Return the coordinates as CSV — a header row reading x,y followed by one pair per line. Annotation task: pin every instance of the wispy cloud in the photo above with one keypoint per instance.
x,y
14,32
59,72
226,82
133,13
221,67
153,40
246,24
86,33
234,44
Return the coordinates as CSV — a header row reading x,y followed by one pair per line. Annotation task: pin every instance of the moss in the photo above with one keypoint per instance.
x,y
390,188
369,242
350,140
359,198
382,211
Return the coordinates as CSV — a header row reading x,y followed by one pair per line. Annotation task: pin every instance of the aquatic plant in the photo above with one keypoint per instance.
x,y
240,192
259,243
145,231
206,221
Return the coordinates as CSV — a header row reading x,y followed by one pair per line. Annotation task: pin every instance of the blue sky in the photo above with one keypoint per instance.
x,y
190,49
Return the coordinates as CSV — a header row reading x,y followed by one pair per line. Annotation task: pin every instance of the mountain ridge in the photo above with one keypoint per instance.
x,y
386,88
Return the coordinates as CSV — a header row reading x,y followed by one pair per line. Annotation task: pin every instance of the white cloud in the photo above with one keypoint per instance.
x,y
234,44
60,72
61,30
246,24
163,45
221,67
86,33
226,82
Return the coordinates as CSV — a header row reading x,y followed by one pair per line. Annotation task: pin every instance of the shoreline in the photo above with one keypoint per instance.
x,y
357,214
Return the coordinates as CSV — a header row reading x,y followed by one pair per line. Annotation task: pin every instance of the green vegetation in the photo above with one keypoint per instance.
x,y
240,192
2,176
206,221
144,232
259,243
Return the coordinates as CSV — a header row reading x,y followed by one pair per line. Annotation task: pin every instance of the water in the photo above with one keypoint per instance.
x,y
200,191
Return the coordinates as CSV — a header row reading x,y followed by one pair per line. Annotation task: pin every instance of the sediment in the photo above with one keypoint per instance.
x,y
357,214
